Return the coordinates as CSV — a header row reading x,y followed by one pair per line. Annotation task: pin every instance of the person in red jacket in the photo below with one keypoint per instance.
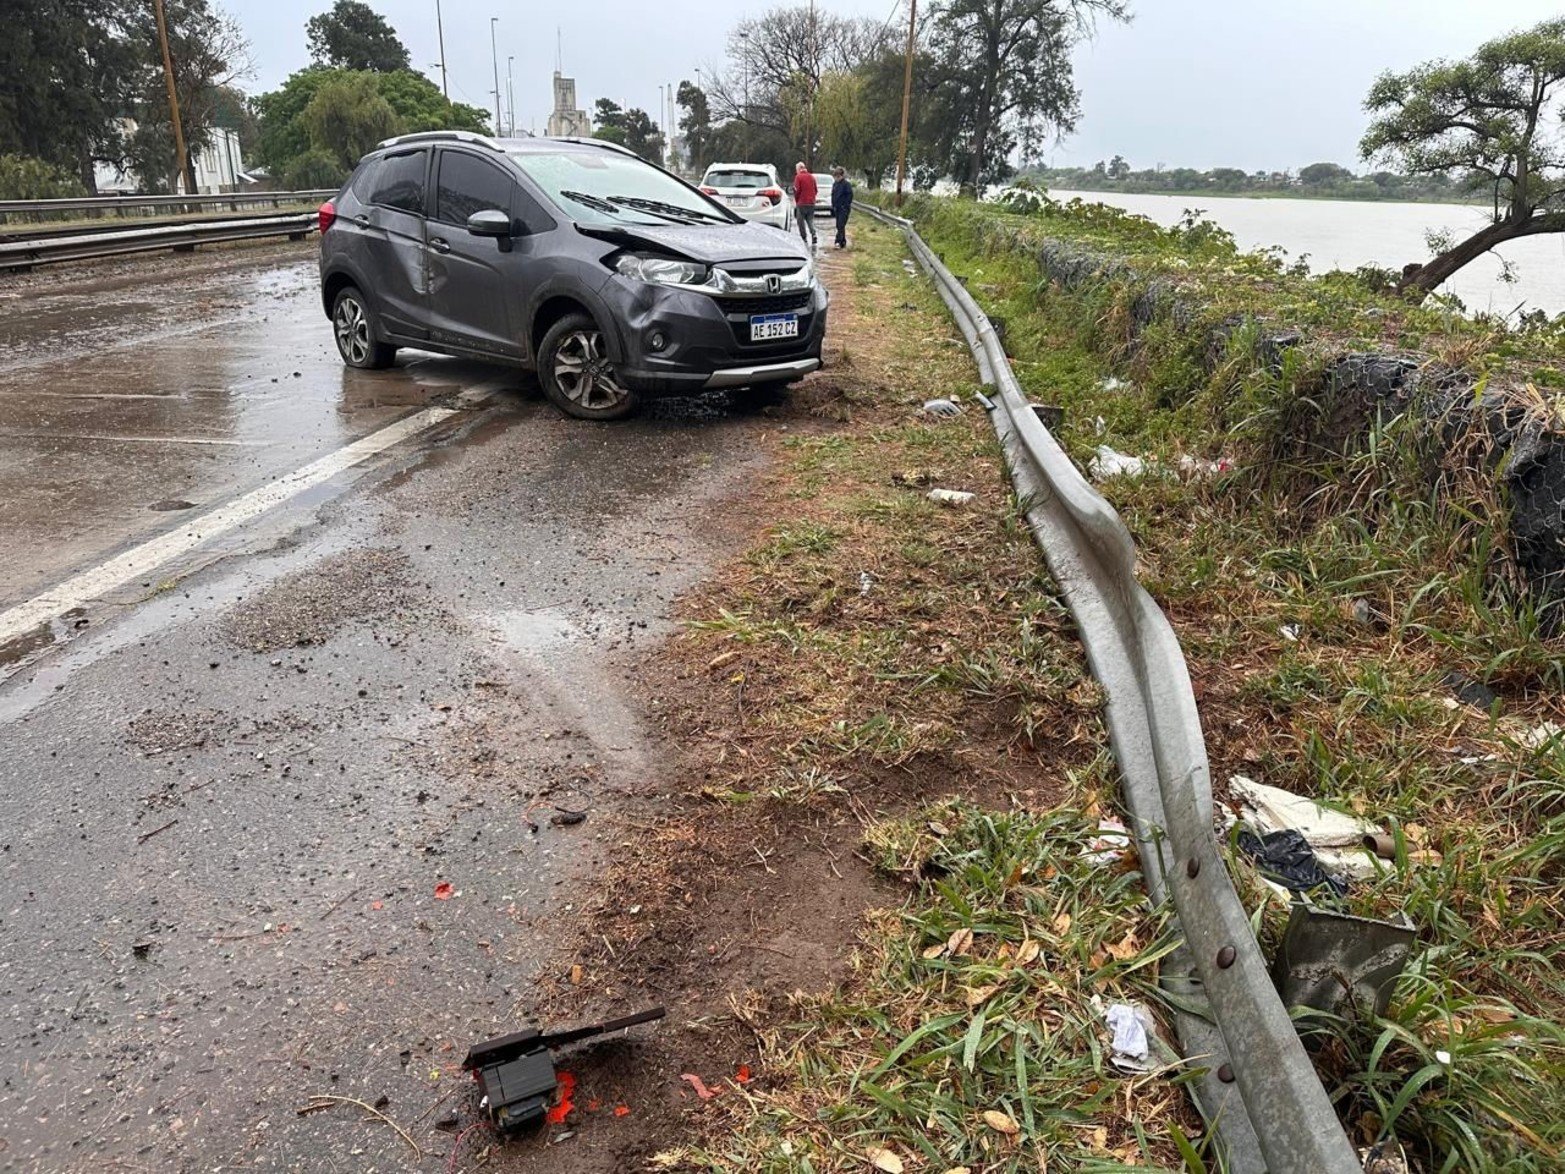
x,y
804,196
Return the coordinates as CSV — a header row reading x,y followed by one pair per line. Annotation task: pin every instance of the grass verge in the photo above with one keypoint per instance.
x,y
1347,638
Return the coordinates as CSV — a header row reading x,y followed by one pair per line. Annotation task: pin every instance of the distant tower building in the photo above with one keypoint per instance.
x,y
565,118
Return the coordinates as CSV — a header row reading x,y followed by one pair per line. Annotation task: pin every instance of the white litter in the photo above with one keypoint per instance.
x,y
1113,384
1109,844
866,581
942,407
1098,425
1130,1035
1193,467
1110,463
1540,736
951,497
1291,632
1336,837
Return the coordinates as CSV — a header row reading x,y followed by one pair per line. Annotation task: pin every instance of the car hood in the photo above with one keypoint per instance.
x,y
713,244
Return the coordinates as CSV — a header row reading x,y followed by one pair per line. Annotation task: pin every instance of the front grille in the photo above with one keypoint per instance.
x,y
781,304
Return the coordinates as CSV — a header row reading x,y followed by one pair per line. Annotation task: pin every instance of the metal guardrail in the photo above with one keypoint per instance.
x,y
25,254
118,205
46,231
1228,1015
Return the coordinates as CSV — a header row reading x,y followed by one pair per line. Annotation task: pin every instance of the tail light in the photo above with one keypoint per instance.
x,y
327,215
708,191
772,194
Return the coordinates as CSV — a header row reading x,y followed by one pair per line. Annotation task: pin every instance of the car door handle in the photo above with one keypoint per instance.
x,y
440,244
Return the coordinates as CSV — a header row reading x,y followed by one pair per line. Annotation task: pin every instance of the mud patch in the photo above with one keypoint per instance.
x,y
309,606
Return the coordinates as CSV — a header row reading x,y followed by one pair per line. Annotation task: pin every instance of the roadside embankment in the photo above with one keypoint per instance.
x,y
1349,508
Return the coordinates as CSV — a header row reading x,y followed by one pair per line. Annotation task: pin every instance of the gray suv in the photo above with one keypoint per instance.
x,y
607,275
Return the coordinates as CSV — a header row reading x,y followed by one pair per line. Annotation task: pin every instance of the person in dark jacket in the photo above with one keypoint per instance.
x,y
841,204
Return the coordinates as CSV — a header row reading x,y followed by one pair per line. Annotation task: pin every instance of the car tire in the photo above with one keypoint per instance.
x,y
353,325
574,372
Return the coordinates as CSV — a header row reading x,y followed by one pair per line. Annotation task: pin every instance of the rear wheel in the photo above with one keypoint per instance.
x,y
576,374
354,328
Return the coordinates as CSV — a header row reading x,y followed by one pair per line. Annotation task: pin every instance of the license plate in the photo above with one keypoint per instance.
x,y
765,326
739,201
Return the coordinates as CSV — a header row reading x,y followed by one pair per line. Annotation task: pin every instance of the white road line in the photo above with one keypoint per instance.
x,y
79,590
135,439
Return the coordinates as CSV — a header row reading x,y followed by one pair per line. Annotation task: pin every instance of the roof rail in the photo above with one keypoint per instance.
x,y
435,136
606,144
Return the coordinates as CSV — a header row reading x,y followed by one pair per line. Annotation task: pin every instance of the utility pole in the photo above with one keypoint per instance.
x,y
907,97
510,101
494,55
181,160
440,30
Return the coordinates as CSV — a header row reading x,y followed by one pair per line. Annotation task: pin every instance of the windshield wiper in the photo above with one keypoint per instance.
x,y
658,206
608,205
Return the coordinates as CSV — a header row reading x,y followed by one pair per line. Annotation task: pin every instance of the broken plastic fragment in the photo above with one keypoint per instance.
x,y
698,1084
444,891
952,497
1110,463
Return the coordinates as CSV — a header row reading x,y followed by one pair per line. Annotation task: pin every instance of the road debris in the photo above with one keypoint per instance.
x,y
1286,857
698,1085
1111,463
444,891
145,836
516,1074
1133,1028
564,818
328,1101
944,408
950,497
1336,838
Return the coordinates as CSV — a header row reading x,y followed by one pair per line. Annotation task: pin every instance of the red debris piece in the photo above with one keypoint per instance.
x,y
594,1105
557,1114
696,1083
444,891
622,1110
743,1075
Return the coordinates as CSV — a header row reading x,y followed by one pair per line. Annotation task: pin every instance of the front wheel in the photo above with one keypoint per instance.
x,y
354,328
576,374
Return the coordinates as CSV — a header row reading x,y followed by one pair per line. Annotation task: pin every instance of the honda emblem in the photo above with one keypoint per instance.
x,y
773,283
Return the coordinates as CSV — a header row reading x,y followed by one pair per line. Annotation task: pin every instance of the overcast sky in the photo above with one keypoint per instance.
x,y
1194,83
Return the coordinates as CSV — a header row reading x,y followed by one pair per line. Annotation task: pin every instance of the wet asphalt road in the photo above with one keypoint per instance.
x,y
229,813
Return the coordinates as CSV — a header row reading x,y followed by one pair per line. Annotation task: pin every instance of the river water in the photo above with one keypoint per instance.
x,y
1344,234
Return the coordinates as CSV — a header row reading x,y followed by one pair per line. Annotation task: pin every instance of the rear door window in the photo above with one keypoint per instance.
x,y
400,182
467,184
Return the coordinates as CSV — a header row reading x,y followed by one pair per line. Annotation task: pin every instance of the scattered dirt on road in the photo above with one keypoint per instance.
x,y
307,607
164,731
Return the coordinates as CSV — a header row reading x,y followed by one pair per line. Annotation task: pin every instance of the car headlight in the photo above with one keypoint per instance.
x,y
660,270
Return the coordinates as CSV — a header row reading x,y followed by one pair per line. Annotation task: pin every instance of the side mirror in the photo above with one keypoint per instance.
x,y
492,222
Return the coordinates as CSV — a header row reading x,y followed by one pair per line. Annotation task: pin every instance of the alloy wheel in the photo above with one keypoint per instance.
x,y
353,330
583,372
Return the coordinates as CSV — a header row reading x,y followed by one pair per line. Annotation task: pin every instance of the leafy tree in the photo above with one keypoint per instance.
x,y
695,124
1006,77
347,117
1322,173
1496,115
352,35
210,53
22,178
418,103
68,70
1118,168
312,171
642,135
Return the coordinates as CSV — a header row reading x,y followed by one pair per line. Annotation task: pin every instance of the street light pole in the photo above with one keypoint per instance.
x,y
907,96
440,31
494,54
510,100
745,117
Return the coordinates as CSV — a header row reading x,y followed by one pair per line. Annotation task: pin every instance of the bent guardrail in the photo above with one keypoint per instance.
x,y
25,254
119,205
1228,1015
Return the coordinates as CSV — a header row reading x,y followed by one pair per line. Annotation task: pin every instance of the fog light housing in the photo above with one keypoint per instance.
x,y
657,340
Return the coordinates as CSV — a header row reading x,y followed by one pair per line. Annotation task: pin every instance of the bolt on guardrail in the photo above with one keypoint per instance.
x,y
1257,1086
